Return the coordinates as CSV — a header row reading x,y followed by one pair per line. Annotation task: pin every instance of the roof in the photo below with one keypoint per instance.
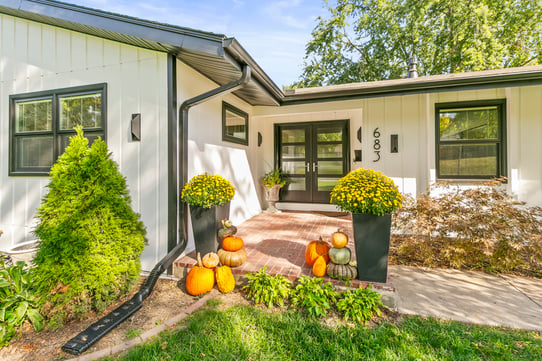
x,y
221,58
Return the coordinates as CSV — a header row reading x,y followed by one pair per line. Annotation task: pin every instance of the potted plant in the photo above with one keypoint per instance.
x,y
272,182
208,197
371,197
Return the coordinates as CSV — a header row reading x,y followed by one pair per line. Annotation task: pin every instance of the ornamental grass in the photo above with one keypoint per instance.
x,y
206,190
366,191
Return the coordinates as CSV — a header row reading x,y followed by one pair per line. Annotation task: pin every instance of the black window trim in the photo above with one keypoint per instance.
x,y
228,138
54,95
501,141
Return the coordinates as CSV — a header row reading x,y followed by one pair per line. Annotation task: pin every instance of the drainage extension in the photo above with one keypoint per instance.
x,y
100,328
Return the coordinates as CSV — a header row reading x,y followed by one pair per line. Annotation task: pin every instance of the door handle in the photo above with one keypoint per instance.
x,y
314,167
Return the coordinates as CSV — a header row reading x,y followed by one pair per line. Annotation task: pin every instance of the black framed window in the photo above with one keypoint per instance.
x,y
42,123
234,124
471,139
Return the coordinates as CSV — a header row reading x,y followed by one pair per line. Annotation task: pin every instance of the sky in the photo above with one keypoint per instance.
x,y
273,32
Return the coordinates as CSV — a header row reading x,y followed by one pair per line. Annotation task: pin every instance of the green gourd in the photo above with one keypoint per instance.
x,y
340,255
341,271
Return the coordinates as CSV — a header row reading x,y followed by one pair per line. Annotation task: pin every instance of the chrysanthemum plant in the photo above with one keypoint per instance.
x,y
366,191
206,190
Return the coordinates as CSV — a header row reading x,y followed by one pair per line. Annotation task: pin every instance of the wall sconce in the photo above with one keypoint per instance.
x,y
259,139
359,134
136,127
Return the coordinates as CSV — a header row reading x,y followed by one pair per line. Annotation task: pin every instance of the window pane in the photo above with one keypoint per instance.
x,y
296,184
33,115
34,151
468,160
236,125
330,150
327,184
330,167
294,167
293,135
84,110
473,123
330,135
293,151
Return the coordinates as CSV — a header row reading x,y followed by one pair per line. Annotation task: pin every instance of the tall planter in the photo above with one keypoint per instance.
x,y
205,225
372,241
272,197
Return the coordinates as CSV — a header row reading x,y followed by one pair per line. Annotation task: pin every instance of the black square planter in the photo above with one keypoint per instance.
x,y
205,224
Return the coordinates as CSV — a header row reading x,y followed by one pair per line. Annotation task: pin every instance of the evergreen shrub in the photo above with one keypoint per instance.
x,y
90,238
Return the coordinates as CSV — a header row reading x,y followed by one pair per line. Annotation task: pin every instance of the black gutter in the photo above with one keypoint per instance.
x,y
183,134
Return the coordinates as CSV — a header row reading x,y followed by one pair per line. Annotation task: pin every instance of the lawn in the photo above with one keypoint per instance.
x,y
245,332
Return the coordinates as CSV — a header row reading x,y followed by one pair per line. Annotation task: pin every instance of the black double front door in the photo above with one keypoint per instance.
x,y
314,155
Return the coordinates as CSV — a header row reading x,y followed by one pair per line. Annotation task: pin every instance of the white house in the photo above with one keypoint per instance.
x,y
173,102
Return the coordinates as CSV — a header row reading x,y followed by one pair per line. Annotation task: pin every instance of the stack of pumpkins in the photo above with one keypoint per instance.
x,y
201,278
335,260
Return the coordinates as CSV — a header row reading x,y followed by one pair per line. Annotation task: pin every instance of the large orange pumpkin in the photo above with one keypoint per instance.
x,y
315,249
200,279
232,243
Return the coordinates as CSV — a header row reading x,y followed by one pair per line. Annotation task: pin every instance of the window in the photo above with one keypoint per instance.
x,y
471,140
234,124
43,122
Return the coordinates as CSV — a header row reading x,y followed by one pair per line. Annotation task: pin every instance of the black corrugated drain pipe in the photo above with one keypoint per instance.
x,y
100,328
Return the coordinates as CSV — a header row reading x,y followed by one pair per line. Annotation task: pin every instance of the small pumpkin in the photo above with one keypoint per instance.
x,y
228,229
232,259
224,279
210,260
339,239
319,267
342,271
200,279
340,255
232,243
315,249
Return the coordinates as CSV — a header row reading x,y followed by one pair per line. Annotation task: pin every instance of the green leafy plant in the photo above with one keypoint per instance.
x,y
206,190
267,289
366,191
132,333
18,302
478,227
313,296
90,238
360,304
274,177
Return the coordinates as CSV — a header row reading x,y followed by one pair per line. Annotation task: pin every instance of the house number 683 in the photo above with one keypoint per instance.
x,y
376,144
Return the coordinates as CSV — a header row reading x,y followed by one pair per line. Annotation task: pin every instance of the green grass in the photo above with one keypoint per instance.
x,y
252,333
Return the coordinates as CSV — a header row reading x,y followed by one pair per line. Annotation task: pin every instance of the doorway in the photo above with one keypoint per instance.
x,y
315,156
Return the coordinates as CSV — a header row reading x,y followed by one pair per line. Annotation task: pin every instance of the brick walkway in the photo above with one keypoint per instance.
x,y
278,241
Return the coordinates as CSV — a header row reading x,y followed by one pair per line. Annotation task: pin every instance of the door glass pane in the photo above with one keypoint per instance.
x,y
326,184
34,115
330,167
34,152
294,167
293,151
296,184
473,123
293,135
84,110
330,135
330,150
468,160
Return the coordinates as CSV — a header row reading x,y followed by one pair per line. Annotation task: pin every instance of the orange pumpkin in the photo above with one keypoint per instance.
x,y
339,239
232,243
315,249
320,266
200,279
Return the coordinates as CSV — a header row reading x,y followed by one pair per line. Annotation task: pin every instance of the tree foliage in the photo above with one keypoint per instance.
x,y
90,238
367,40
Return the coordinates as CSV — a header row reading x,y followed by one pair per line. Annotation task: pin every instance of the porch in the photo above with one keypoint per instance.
x,y
278,241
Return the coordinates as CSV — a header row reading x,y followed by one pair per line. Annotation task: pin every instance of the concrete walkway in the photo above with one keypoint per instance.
x,y
468,296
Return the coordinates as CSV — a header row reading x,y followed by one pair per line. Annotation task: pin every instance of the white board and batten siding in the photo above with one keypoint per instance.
x,y
412,118
36,57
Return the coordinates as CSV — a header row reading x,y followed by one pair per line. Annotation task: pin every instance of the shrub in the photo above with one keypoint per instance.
x,y
90,238
18,302
360,304
267,289
480,227
313,296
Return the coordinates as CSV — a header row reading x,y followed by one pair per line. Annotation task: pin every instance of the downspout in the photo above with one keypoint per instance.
x,y
183,135
100,328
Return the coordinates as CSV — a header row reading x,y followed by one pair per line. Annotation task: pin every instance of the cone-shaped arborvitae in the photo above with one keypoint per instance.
x,y
90,238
